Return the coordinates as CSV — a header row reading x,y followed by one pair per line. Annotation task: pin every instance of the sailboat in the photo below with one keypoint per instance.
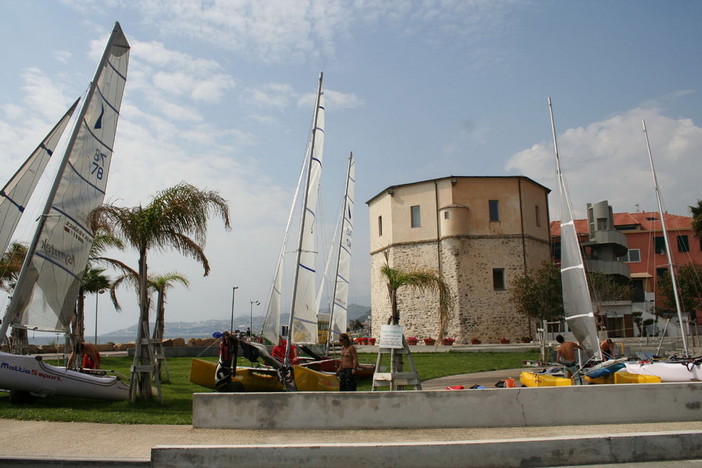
x,y
302,325
18,190
679,370
577,304
45,295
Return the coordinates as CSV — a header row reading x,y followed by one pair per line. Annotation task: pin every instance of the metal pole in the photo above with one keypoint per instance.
x,y
251,323
231,322
97,296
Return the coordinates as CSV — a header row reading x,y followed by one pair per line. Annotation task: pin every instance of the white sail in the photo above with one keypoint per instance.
x,y
671,267
338,319
577,304
303,318
16,193
45,295
271,323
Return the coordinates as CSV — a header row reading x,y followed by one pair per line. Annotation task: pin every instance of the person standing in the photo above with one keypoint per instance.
x,y
348,365
607,348
565,354
226,365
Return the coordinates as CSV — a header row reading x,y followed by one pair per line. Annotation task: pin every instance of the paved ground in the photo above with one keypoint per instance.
x,y
133,443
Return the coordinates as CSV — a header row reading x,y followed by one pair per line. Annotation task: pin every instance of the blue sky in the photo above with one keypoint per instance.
x,y
220,94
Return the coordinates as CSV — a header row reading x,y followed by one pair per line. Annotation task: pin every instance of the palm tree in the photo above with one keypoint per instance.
x,y
160,284
11,264
10,267
423,281
166,222
697,218
93,282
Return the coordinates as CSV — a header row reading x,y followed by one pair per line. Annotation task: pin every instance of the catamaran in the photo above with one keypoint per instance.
x,y
45,295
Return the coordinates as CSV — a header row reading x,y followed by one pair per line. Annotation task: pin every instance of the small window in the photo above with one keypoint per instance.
x,y
416,216
659,244
498,279
446,215
380,226
494,210
683,244
660,273
537,213
602,224
632,256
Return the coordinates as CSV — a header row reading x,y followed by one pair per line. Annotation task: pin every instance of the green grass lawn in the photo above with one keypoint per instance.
x,y
177,394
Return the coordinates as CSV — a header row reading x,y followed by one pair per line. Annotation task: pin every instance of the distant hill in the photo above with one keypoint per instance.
x,y
205,328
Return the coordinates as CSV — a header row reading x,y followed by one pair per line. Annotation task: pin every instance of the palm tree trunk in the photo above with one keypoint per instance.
x,y
140,382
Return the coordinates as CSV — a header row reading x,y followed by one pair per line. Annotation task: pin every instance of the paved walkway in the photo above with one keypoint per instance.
x,y
60,442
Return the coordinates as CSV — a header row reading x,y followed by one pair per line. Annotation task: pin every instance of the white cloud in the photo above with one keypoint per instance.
x,y
608,160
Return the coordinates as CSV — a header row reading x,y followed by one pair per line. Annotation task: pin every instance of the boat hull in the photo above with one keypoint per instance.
x,y
535,379
254,379
31,374
624,377
667,371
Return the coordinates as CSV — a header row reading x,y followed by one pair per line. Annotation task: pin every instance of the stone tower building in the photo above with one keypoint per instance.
x,y
477,232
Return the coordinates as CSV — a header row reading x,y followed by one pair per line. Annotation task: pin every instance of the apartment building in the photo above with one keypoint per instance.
x,y
645,258
477,232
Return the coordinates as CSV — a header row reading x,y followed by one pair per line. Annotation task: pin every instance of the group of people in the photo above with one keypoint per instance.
x,y
565,353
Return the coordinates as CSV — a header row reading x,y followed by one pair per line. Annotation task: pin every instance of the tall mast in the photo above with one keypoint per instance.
x,y
577,303
342,234
671,269
310,160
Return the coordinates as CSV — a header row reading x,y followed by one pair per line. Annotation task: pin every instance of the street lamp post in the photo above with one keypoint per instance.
x,y
251,324
97,296
231,322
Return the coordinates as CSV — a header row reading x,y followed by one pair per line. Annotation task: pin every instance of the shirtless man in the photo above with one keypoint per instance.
x,y
565,354
348,365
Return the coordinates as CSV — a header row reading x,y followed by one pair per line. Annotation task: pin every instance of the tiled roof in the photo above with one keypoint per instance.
x,y
646,221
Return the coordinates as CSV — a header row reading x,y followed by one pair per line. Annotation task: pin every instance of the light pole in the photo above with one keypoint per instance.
x,y
231,322
97,296
252,304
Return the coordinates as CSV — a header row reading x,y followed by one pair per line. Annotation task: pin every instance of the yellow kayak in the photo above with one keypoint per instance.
x,y
535,379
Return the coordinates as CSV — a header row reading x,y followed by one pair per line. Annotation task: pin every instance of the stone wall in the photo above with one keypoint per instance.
x,y
467,264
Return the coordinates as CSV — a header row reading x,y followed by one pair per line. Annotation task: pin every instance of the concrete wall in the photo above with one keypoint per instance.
x,y
484,453
508,407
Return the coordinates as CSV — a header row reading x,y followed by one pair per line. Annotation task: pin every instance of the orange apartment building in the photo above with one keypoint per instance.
x,y
645,258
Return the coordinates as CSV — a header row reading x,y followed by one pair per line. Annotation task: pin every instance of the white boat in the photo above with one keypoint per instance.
x,y
46,291
668,370
31,374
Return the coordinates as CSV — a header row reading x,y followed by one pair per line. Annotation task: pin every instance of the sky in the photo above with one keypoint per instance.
x,y
220,94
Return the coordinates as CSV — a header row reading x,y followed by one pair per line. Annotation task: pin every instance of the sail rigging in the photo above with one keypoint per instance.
x,y
577,304
18,190
671,268
338,317
271,323
44,298
303,316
